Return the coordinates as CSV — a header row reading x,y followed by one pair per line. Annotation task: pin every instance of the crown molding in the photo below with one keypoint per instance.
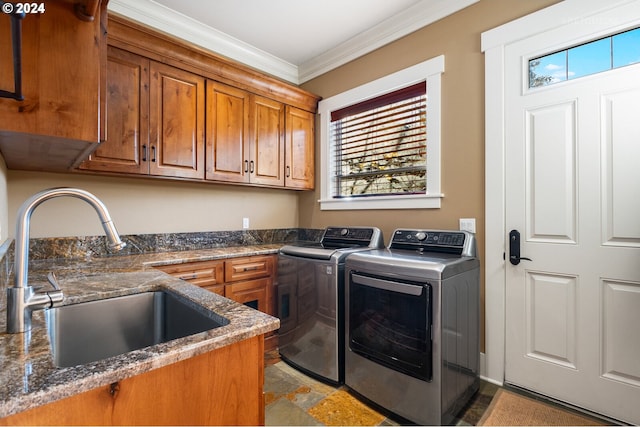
x,y
178,25
411,19
161,18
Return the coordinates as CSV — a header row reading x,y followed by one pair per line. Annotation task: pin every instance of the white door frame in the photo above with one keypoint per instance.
x,y
583,16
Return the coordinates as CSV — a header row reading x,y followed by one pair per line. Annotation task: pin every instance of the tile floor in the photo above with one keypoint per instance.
x,y
294,399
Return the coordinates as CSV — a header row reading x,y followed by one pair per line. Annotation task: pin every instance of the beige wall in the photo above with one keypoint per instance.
x,y
140,206
4,211
457,37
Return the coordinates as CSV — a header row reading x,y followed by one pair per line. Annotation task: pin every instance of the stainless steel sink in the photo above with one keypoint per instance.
x,y
90,331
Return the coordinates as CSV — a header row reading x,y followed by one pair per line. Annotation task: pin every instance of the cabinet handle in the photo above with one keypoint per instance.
x,y
145,151
153,153
251,169
189,277
246,166
253,267
288,171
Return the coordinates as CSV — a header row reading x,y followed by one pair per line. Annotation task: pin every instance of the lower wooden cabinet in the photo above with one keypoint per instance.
x,y
206,274
221,387
250,292
247,280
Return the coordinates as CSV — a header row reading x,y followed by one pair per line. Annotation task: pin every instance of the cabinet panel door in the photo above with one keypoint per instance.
x,y
250,292
176,122
220,387
300,149
267,137
127,124
227,133
63,68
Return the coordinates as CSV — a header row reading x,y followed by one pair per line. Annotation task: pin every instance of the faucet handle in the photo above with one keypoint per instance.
x,y
53,280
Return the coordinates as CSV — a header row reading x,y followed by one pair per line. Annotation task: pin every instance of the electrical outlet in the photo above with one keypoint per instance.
x,y
245,223
468,224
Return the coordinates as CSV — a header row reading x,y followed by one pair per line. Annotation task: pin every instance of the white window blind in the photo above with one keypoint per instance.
x,y
381,145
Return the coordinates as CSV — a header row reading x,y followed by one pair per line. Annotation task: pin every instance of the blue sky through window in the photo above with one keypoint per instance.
x,y
589,58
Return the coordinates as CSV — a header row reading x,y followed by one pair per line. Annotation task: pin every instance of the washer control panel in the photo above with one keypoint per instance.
x,y
352,237
432,240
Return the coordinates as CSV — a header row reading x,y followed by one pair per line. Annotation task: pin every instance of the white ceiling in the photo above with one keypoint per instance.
x,y
295,40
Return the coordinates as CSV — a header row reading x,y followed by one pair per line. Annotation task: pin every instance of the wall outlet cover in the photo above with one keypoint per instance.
x,y
468,224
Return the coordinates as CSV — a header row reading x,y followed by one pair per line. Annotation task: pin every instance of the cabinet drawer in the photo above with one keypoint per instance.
x,y
248,268
201,273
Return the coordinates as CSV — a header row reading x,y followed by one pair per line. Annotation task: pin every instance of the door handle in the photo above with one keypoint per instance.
x,y
514,248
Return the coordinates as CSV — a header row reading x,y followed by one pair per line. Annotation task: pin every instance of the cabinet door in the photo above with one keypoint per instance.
x,y
176,122
267,142
126,147
250,292
220,387
63,66
227,133
300,149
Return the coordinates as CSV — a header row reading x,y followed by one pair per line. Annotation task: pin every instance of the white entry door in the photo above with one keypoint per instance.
x,y
572,182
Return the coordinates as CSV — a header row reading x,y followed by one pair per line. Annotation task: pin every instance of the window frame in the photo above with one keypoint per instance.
x,y
430,71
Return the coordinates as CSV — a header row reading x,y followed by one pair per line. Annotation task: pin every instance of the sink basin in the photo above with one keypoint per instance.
x,y
90,331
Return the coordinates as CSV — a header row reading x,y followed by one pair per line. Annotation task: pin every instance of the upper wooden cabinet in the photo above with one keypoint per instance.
x,y
267,146
127,118
300,150
155,119
164,120
63,82
227,133
245,137
176,122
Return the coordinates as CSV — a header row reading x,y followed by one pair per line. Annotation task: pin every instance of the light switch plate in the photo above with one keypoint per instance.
x,y
245,223
468,224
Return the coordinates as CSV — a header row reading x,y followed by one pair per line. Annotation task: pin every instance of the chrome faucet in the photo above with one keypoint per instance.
x,y
22,299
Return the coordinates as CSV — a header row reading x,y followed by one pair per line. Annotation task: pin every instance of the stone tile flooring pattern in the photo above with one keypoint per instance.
x,y
294,399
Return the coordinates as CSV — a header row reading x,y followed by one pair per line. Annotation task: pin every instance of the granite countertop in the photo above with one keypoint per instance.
x,y
29,376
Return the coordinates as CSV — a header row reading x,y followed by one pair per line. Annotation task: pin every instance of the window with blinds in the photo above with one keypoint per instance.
x,y
380,145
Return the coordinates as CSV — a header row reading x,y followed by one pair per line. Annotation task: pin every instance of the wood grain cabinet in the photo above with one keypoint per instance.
x,y
245,137
176,122
206,274
300,149
175,111
127,118
155,119
247,280
59,121
221,387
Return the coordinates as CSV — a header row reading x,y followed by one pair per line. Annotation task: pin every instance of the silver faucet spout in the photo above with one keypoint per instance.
x,y
21,298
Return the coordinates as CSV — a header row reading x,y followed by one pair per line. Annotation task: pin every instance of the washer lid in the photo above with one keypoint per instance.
x,y
311,250
338,240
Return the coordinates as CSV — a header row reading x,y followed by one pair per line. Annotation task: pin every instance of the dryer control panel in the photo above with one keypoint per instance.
x,y
457,242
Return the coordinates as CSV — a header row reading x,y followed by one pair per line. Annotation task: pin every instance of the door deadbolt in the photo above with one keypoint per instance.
x,y
514,248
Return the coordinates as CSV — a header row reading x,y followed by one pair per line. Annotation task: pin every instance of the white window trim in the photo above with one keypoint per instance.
x,y
431,71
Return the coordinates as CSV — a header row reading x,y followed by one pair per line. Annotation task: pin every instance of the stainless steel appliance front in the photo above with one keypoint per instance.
x,y
412,324
310,300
